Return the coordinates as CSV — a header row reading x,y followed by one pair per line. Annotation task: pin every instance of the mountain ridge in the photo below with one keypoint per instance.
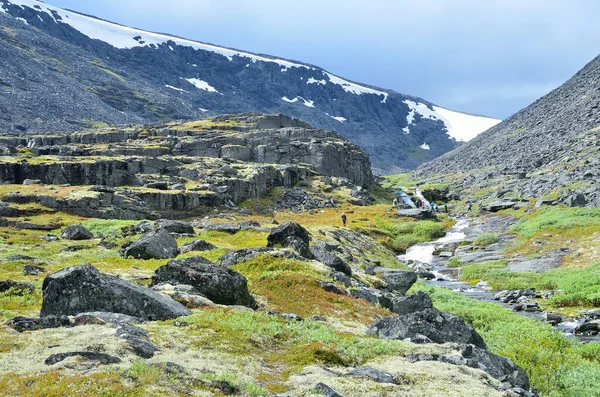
x,y
392,127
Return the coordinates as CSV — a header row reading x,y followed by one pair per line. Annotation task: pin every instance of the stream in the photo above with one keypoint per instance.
x,y
450,277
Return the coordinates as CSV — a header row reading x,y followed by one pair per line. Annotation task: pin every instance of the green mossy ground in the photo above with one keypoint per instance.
x,y
263,354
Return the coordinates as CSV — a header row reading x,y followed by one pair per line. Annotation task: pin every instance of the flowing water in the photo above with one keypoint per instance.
x,y
449,277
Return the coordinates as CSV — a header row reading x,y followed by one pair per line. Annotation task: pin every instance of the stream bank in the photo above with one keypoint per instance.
x,y
430,261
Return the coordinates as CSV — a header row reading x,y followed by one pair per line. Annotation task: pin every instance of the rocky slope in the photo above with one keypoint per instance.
x,y
551,148
178,169
64,71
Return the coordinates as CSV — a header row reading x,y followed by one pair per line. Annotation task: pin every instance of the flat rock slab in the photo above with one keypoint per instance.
x,y
373,374
91,356
535,265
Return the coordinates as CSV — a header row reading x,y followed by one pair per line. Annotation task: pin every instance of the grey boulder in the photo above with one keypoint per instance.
x,y
331,260
76,232
153,245
80,289
218,283
177,227
281,234
399,281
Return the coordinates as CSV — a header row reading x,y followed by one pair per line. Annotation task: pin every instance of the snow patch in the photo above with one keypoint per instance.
x,y
464,127
204,110
171,48
40,18
308,103
22,20
286,99
175,88
201,85
425,146
354,88
340,119
460,126
312,80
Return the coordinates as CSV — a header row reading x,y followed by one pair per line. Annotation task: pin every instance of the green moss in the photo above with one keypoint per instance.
x,y
486,239
107,70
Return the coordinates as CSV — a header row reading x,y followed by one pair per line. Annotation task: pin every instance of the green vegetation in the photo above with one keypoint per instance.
x,y
578,287
485,239
556,366
107,70
548,219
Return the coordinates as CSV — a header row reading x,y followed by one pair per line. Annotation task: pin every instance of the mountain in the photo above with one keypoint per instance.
x,y
62,70
551,148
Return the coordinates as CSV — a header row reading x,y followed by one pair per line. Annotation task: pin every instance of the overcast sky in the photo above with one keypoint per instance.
x,y
491,57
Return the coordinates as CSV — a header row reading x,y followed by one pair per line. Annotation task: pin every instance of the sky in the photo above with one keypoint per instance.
x,y
488,57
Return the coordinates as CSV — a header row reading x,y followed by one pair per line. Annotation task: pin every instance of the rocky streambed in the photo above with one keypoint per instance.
x,y
430,261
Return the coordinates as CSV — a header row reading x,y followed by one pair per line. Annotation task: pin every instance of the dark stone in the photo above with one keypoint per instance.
x,y
196,245
153,245
299,246
326,391
138,340
280,234
22,324
249,225
285,316
218,283
157,185
177,227
587,327
399,281
437,326
15,258
75,248
103,358
80,289
76,232
232,258
373,374
331,287
331,260
372,295
15,287
224,387
410,304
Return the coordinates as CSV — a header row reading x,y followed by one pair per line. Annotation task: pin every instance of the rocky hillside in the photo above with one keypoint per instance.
x,y
550,148
178,169
64,71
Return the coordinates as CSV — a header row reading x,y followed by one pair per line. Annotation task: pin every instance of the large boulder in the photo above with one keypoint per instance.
x,y
439,327
177,227
399,281
196,245
80,289
218,283
153,245
330,260
76,232
281,234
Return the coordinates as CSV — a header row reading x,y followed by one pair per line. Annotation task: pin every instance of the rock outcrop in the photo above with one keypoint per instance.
x,y
80,289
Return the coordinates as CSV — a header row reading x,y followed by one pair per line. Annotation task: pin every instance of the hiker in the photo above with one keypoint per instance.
x,y
446,208
470,205
435,207
395,203
344,219
418,203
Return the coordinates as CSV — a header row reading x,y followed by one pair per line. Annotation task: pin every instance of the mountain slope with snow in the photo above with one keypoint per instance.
x,y
64,70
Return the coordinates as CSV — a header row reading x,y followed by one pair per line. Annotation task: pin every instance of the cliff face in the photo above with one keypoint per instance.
x,y
63,71
182,166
